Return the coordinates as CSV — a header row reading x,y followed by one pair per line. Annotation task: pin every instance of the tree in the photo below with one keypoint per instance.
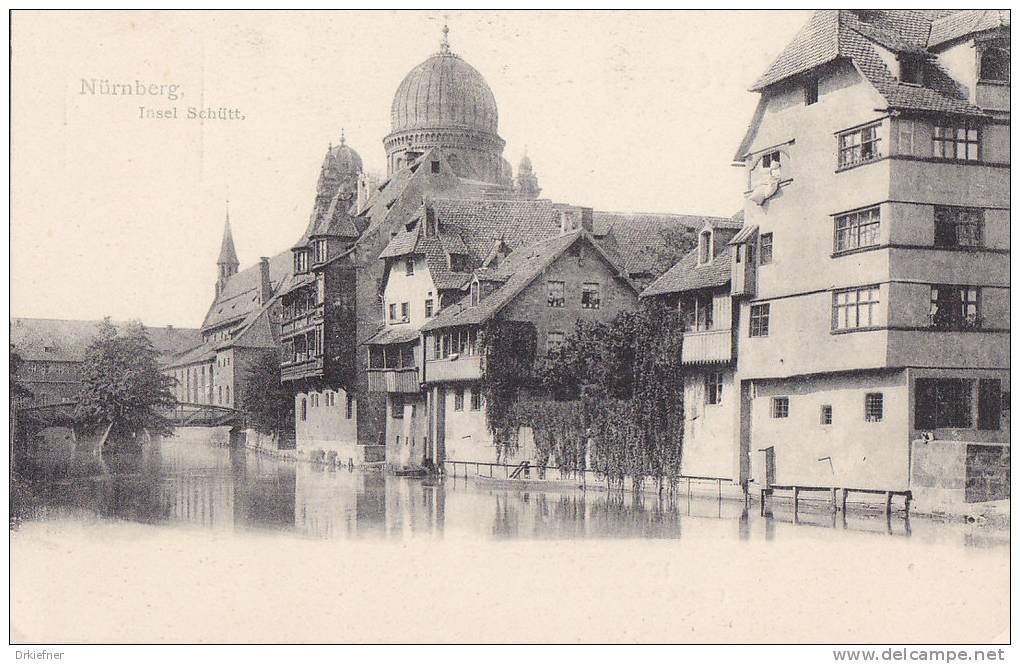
x,y
673,244
270,405
122,384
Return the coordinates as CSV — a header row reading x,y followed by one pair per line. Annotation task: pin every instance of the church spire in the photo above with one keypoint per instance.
x,y
227,263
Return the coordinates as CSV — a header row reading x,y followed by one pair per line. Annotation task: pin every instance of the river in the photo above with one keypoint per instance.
x,y
189,542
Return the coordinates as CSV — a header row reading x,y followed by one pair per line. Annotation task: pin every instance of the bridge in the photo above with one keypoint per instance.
x,y
180,415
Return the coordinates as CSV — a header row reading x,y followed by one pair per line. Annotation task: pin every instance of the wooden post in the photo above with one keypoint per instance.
x,y
906,505
845,492
834,507
762,503
888,503
796,499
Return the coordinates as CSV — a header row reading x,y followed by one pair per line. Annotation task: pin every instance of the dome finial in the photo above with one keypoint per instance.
x,y
343,138
444,45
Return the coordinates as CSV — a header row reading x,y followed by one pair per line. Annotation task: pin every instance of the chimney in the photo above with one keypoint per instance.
x,y
587,219
265,286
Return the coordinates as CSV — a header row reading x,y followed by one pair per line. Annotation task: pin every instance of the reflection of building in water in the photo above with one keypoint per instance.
x,y
264,491
414,508
337,503
196,485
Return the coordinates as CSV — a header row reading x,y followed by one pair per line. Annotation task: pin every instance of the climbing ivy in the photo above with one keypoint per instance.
x,y
611,398
508,368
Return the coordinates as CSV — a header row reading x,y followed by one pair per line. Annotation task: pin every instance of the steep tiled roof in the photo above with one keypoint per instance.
x,y
516,271
961,24
834,34
631,237
66,340
240,296
687,275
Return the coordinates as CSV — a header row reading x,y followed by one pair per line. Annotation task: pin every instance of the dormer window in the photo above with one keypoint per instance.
x,y
321,251
705,247
458,262
994,65
911,70
300,261
475,293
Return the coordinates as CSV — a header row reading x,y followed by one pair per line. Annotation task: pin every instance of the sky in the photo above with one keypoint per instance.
x,y
113,214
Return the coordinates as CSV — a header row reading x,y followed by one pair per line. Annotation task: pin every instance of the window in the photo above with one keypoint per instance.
x,y
772,163
304,409
397,406
765,248
228,395
703,314
990,398
409,267
954,307
780,407
405,311
873,406
760,320
858,146
458,399
713,388
591,295
810,91
557,294
350,406
393,312
301,261
315,401
475,294
458,262
704,247
320,251
858,229
826,415
429,306
957,141
959,226
219,395
855,308
905,136
942,403
553,341
435,166
911,70
476,397
994,65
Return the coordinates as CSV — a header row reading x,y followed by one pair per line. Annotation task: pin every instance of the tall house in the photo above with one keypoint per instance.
x,y
872,277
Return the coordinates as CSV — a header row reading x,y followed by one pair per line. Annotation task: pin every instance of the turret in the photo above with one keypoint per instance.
x,y
227,263
527,181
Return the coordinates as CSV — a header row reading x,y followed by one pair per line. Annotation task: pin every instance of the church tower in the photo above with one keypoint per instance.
x,y
227,263
527,181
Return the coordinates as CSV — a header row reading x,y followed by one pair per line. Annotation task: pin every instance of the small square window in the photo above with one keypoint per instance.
x,y
554,341
780,407
458,399
759,320
826,417
591,296
873,406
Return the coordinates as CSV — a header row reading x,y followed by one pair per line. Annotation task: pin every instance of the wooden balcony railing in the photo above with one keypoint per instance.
x,y
403,380
707,347
302,368
464,367
302,321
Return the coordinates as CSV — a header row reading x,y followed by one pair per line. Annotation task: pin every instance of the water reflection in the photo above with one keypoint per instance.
x,y
228,489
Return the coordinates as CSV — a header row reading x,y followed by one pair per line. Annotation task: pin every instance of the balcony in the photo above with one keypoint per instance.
x,y
403,381
707,347
302,321
454,368
307,367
